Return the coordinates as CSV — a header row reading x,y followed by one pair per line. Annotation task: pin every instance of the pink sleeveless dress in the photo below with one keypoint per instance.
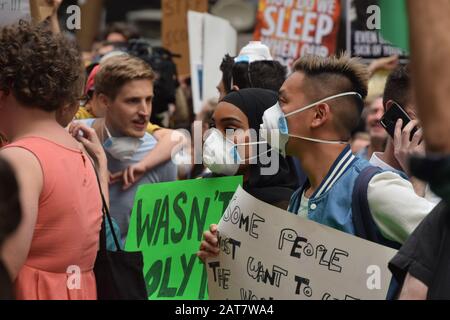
x,y
66,236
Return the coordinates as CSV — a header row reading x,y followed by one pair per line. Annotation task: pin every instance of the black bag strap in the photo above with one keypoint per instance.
x,y
106,214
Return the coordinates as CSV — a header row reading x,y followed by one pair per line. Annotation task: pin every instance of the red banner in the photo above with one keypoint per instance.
x,y
294,28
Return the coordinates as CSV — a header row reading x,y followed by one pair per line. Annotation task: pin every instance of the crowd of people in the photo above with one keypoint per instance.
x,y
75,126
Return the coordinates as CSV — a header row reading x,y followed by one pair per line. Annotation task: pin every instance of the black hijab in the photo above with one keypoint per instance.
x,y
274,189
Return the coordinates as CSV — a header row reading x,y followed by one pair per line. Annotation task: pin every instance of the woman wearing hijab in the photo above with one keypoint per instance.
x,y
230,148
226,154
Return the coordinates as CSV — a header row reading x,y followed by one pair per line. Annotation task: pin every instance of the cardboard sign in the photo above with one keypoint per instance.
x,y
167,225
268,253
40,10
364,24
175,29
292,29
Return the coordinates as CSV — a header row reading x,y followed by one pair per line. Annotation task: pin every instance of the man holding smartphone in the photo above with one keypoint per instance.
x,y
401,123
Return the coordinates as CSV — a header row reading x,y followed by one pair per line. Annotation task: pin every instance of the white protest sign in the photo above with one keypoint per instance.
x,y
268,253
220,38
195,31
206,53
11,11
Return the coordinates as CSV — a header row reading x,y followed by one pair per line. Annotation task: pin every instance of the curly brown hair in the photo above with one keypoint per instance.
x,y
41,69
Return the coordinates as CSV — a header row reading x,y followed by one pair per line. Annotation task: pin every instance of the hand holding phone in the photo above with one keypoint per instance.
x,y
404,148
390,118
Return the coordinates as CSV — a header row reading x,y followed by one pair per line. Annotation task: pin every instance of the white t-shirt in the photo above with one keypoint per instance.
x,y
304,205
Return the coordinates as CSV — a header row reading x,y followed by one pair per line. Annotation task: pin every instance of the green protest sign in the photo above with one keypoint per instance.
x,y
167,225
394,23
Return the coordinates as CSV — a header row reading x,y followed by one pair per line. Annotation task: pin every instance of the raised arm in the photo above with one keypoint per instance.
x,y
430,50
168,141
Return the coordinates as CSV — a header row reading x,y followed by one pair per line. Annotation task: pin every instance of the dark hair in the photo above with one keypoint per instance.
x,y
327,76
263,74
259,74
41,69
227,72
10,209
398,86
351,70
127,30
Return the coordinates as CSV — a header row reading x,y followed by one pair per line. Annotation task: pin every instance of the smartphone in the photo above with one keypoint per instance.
x,y
391,117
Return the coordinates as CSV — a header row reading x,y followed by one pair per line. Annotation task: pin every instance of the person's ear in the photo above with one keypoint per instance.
x,y
388,105
104,101
235,88
321,115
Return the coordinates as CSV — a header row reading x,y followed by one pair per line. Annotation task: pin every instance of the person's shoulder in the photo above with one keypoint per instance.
x,y
149,141
388,176
152,128
25,163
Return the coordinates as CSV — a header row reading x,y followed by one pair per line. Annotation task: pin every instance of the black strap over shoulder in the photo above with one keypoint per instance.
x,y
106,216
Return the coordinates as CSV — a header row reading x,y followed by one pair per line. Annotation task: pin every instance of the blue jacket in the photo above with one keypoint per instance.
x,y
341,203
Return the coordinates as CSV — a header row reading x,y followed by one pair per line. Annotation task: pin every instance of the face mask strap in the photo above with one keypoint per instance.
x,y
258,155
249,143
319,140
236,145
322,101
107,132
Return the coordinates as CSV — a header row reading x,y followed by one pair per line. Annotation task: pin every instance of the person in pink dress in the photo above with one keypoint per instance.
x,y
53,251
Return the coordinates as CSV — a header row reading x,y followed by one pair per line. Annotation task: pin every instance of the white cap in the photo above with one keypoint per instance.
x,y
254,51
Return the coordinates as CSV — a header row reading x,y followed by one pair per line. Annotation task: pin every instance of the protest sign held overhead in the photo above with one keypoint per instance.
x,y
366,20
294,28
40,10
167,225
268,253
175,29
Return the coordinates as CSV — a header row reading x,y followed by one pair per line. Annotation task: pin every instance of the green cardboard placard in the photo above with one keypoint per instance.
x,y
394,23
167,225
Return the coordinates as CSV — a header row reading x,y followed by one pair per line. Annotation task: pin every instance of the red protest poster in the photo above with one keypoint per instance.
x,y
294,28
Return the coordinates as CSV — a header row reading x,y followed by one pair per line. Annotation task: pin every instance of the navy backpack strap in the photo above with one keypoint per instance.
x,y
365,226
360,204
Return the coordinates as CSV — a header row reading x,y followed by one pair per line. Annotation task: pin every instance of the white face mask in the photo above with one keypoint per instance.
x,y
275,124
121,148
221,156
